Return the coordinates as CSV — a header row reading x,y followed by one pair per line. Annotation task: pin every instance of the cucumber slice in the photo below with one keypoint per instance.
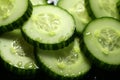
x,y
78,9
13,13
38,2
64,64
49,27
102,41
16,54
103,8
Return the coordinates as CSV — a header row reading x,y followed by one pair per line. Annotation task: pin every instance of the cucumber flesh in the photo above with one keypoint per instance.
x,y
13,13
38,2
11,10
67,62
102,40
46,29
78,10
16,54
102,8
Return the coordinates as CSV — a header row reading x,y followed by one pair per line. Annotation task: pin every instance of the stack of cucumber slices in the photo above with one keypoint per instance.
x,y
62,40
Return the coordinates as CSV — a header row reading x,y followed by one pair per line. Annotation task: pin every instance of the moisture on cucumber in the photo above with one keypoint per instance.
x,y
49,27
64,64
78,10
13,13
102,43
38,2
16,54
102,8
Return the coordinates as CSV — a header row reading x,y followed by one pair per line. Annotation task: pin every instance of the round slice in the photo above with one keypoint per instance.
x,y
49,27
102,8
64,64
78,10
13,13
102,41
38,2
16,54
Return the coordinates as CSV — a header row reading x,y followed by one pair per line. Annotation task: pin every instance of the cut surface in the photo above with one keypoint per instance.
x,y
78,10
38,2
49,25
6,7
15,51
67,62
11,10
102,8
102,38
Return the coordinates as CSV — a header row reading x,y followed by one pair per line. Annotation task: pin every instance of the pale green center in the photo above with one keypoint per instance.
x,y
6,7
19,48
47,23
68,58
80,10
108,6
109,40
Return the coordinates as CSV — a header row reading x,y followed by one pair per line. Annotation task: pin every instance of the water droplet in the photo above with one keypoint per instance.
x,y
61,65
61,71
30,65
19,64
79,73
88,33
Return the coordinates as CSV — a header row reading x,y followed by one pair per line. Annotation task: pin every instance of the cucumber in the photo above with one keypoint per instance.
x,y
68,63
38,2
102,43
78,10
13,13
49,27
102,8
17,55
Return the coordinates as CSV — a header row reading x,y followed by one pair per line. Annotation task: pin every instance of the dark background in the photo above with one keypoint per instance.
x,y
94,74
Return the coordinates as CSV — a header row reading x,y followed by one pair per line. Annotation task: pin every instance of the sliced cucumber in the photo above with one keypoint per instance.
x,y
67,63
49,27
103,8
38,2
16,54
13,13
78,9
102,41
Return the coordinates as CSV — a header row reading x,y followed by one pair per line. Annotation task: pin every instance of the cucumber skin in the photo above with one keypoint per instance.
x,y
48,46
118,7
95,61
23,73
53,75
90,12
18,23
